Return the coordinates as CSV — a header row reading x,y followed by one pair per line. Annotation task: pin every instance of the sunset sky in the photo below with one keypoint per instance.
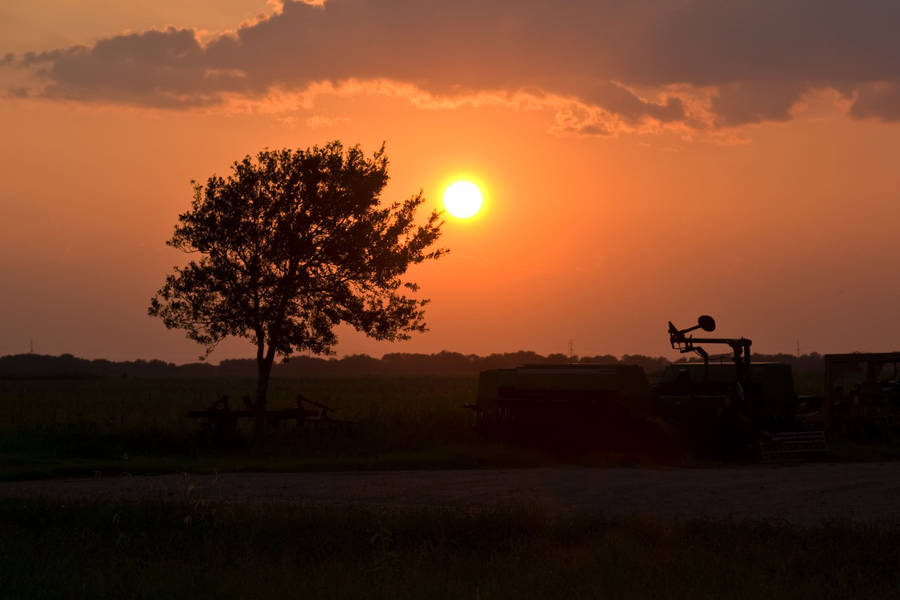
x,y
641,161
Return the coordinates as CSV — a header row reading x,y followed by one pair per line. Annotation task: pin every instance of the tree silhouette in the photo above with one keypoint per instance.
x,y
291,244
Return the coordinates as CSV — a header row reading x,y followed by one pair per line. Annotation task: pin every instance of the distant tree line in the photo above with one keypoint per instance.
x,y
397,364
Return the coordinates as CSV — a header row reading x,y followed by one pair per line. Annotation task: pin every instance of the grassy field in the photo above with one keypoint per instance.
x,y
114,405
151,549
53,427
65,427
78,426
156,550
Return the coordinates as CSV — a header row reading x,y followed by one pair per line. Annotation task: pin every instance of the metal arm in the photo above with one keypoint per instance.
x,y
740,347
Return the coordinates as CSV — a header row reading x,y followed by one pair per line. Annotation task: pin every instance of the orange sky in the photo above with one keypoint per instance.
x,y
622,190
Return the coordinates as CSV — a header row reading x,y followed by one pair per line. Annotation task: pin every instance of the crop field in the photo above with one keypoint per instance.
x,y
51,427
120,405
82,426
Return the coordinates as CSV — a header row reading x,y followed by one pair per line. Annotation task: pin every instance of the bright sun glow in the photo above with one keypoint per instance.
x,y
462,199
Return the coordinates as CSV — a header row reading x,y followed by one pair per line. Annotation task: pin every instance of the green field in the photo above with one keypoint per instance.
x,y
117,405
51,427
201,550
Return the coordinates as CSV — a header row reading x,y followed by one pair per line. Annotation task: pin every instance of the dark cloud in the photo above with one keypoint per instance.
x,y
168,69
880,100
754,102
708,42
755,57
620,101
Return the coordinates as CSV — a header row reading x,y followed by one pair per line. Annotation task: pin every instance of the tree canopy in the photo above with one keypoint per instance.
x,y
292,243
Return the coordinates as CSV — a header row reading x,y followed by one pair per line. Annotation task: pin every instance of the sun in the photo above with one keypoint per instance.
x,y
462,199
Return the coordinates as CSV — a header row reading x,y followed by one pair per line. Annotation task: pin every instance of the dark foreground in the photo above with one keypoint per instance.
x,y
805,494
801,531
202,549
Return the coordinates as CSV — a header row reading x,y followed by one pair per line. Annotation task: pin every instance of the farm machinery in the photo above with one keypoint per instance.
x,y
733,409
862,393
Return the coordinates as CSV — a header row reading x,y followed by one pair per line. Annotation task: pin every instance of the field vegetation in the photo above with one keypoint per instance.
x,y
194,549
189,547
82,425
79,426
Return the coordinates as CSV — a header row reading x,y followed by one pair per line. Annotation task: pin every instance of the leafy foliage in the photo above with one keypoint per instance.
x,y
293,243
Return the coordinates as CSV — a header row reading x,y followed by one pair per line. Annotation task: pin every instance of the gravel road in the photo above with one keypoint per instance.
x,y
803,494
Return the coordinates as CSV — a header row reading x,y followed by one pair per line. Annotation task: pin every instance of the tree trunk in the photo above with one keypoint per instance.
x,y
264,369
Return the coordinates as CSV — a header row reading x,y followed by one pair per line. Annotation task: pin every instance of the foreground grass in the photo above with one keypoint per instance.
x,y
125,405
199,550
53,428
23,466
79,427
16,464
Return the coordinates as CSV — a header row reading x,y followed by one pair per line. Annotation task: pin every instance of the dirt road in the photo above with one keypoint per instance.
x,y
809,493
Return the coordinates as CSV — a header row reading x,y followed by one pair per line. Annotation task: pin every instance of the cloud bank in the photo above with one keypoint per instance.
x,y
602,66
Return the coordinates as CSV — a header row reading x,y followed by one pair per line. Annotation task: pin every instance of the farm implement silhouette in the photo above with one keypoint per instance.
x,y
735,409
220,421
